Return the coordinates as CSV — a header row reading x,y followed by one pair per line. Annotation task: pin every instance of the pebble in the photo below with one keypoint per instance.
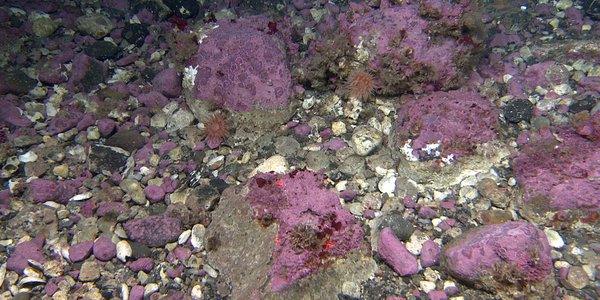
x,y
467,194
90,271
577,279
123,250
210,271
427,286
198,232
96,25
365,140
180,119
184,237
104,249
402,228
276,163
196,293
29,156
338,128
554,239
150,288
387,184
61,170
135,190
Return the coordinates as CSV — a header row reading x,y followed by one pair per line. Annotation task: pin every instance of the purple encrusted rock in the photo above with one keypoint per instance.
x,y
455,120
242,68
516,249
153,99
143,264
111,207
403,53
81,251
86,121
313,225
154,231
87,72
11,114
154,193
42,190
394,253
430,254
182,253
64,120
437,295
106,127
168,82
104,249
136,293
559,170
31,249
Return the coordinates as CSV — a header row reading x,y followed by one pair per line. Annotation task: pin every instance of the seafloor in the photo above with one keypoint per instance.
x,y
291,149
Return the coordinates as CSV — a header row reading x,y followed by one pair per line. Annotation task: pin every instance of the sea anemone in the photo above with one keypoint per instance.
x,y
216,129
360,84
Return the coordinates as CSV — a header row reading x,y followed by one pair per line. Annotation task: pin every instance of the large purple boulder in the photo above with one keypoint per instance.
x,y
241,67
456,120
512,252
413,46
559,169
154,231
314,228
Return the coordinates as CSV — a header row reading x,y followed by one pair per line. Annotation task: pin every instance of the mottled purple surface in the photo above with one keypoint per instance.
x,y
27,250
394,253
299,200
80,251
515,245
168,82
400,41
64,120
11,114
563,169
437,295
111,207
154,193
458,120
430,254
182,253
242,68
143,264
153,99
42,190
154,231
136,293
104,249
106,127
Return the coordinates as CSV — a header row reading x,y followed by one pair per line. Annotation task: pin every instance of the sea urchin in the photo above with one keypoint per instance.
x,y
360,84
216,129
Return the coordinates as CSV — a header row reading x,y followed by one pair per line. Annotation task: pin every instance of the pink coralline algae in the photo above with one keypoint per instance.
x,y
517,250
42,190
562,169
408,51
456,120
154,231
242,68
30,250
395,253
314,229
